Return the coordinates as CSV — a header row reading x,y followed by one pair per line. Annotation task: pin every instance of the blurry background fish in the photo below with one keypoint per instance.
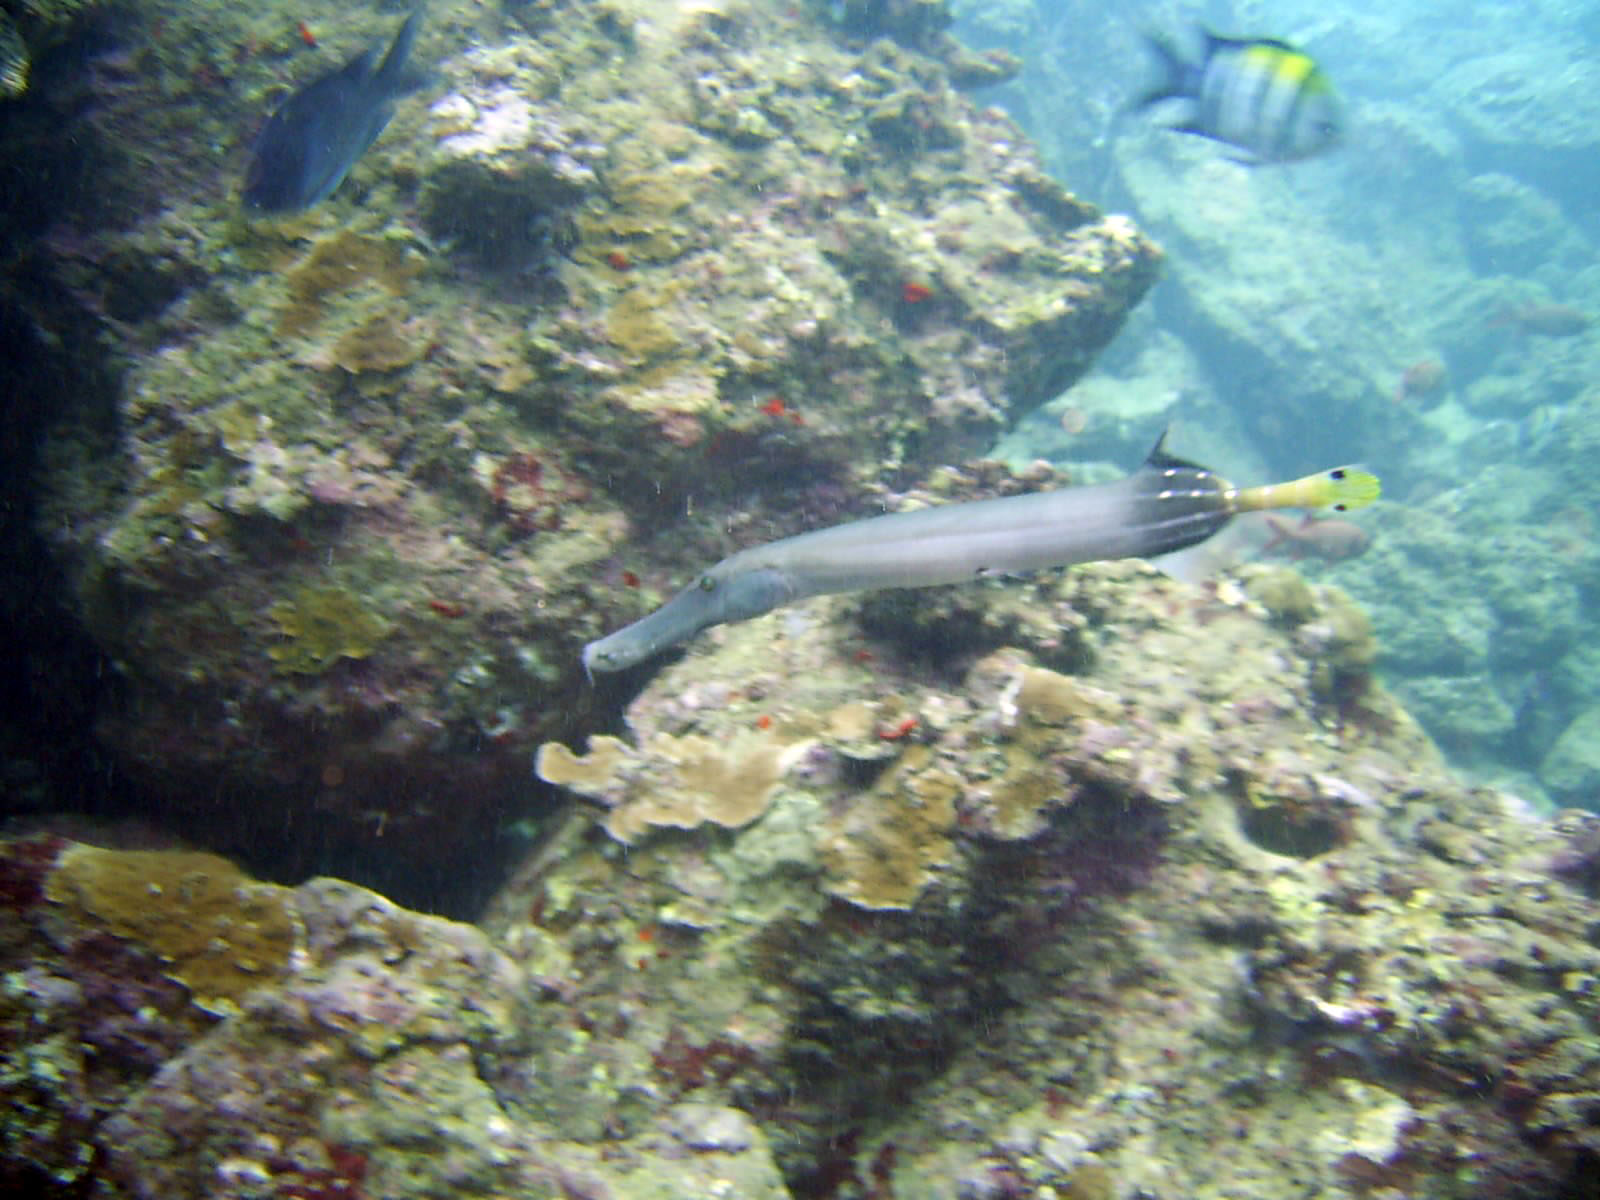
x,y
13,59
1330,539
1543,320
1259,95
1422,378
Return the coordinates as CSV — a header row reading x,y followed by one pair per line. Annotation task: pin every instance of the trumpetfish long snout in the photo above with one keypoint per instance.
x,y
1166,506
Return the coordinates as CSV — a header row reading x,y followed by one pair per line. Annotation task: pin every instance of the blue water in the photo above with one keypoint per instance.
x,y
1459,208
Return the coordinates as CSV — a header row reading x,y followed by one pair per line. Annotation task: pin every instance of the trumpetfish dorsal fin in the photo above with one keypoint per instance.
x,y
1159,460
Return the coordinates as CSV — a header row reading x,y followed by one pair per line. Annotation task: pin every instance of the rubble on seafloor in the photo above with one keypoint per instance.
x,y
1142,890
622,278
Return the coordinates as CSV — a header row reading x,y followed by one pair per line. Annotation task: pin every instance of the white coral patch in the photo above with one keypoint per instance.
x,y
500,120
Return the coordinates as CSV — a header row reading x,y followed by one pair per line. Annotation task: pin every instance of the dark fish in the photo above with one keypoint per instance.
x,y
310,144
1544,320
1259,95
1421,378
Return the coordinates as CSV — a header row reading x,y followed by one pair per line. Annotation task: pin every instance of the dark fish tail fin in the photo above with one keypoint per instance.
x,y
1159,460
393,78
1179,77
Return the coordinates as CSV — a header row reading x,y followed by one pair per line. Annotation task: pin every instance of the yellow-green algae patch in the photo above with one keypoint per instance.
x,y
887,846
321,625
651,218
339,263
219,932
378,344
1051,698
1020,797
1041,709
1284,593
637,326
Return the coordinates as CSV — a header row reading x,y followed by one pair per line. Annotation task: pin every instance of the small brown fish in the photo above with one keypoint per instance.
x,y
1544,320
1421,378
1331,540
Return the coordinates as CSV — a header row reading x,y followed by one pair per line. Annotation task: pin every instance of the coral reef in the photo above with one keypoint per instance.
x,y
321,626
694,782
1148,908
1088,885
217,933
1200,884
375,464
379,1058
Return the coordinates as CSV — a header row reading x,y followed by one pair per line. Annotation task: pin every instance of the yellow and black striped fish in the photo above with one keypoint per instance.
x,y
1260,95
13,59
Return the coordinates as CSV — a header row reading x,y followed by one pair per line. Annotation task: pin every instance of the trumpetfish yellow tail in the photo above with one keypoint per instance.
x,y
1341,488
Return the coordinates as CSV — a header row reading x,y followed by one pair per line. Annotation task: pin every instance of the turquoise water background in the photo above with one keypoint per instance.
x,y
1297,296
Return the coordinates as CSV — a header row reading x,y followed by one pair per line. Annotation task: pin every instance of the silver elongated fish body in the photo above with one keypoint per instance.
x,y
1262,96
1154,511
1164,507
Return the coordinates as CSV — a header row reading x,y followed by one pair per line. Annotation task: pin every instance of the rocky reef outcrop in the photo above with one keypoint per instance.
x,y
173,1029
619,281
1089,885
1162,895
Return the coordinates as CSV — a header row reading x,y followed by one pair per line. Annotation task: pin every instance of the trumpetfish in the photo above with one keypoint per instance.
x,y
1166,506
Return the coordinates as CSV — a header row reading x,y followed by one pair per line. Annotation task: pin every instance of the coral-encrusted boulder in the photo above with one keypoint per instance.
x,y
171,1028
1149,868
1133,871
830,225
375,464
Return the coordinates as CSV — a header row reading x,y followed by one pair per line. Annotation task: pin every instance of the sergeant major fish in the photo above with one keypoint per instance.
x,y
309,145
1259,95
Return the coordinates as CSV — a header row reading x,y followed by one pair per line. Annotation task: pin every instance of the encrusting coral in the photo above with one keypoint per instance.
x,y
1182,865
1095,920
683,783
321,625
344,1062
880,853
218,932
